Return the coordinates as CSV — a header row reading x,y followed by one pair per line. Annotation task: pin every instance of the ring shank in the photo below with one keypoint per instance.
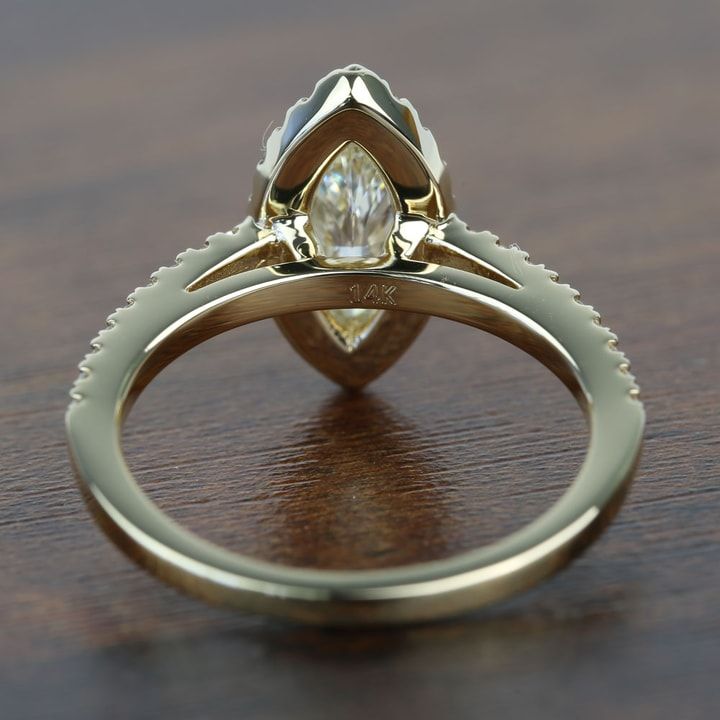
x,y
551,330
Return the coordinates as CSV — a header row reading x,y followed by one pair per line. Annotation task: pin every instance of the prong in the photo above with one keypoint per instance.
x,y
291,231
408,233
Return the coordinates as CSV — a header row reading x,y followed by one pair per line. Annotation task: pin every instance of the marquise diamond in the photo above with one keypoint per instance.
x,y
352,211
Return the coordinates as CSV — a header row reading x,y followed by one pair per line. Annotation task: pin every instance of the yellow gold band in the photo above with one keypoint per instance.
x,y
479,283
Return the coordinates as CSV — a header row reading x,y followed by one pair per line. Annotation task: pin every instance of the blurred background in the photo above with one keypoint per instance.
x,y
587,133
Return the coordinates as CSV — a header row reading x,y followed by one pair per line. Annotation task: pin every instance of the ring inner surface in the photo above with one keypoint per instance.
x,y
324,290
269,460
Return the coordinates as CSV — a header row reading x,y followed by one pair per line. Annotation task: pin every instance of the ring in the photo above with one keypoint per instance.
x,y
350,244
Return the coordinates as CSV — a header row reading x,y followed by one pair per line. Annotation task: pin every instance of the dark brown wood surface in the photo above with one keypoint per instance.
x,y
588,133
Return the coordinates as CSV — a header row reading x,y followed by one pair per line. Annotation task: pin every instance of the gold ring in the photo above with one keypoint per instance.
x,y
350,244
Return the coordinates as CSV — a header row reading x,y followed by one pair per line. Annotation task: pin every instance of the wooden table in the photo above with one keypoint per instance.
x,y
587,133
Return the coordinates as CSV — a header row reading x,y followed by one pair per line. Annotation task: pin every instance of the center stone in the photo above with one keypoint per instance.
x,y
352,211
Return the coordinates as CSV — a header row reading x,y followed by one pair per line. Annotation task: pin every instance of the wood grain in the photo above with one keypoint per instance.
x,y
586,133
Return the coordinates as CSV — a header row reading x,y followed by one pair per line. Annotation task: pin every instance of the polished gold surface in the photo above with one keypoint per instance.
x,y
434,266
351,105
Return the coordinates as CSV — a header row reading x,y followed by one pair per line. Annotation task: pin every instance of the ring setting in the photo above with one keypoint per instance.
x,y
350,243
